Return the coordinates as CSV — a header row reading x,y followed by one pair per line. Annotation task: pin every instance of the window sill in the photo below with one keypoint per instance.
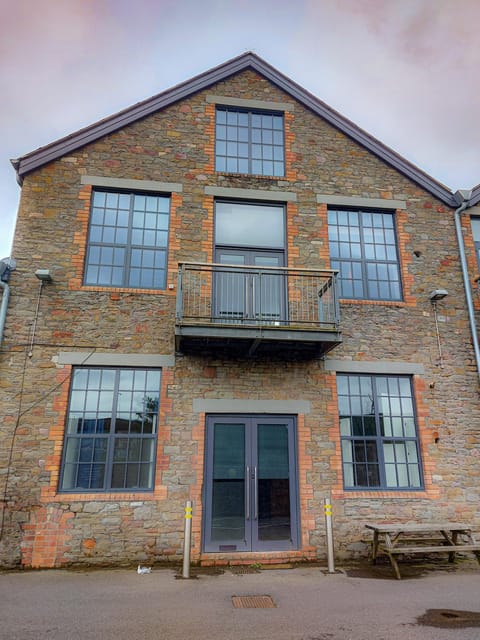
x,y
52,495
121,496
115,290
388,303
409,494
249,175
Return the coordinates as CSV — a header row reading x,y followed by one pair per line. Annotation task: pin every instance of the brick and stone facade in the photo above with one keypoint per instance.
x,y
173,148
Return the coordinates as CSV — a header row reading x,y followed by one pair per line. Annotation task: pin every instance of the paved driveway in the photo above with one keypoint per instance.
x,y
119,604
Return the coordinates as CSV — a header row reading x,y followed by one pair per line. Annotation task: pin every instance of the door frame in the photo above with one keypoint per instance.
x,y
251,543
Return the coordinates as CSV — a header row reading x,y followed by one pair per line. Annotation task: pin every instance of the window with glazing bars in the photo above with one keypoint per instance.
x,y
363,248
127,240
111,430
249,142
475,222
380,448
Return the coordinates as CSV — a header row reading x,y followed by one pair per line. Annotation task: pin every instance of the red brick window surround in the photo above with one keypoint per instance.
x,y
364,248
111,429
57,435
378,432
127,240
167,268
425,440
403,238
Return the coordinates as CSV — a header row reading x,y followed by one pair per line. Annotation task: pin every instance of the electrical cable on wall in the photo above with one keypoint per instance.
x,y
17,424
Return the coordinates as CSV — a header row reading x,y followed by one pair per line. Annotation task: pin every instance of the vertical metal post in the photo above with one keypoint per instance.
x,y
3,307
180,283
437,331
187,539
336,300
35,319
328,524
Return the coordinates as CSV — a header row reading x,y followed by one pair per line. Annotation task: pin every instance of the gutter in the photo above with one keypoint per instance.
x,y
463,198
3,307
7,265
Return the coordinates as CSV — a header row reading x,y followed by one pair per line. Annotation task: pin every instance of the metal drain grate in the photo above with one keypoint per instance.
x,y
253,602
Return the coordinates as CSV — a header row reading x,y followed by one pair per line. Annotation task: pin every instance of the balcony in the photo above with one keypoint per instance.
x,y
246,311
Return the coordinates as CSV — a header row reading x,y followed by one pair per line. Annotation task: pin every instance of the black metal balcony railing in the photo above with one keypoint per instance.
x,y
242,302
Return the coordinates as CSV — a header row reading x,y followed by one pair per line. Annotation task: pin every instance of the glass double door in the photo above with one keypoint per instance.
x,y
250,295
250,501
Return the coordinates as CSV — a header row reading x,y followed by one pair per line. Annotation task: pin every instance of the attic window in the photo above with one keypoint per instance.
x,y
250,142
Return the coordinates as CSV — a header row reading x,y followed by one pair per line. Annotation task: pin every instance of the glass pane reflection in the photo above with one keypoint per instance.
x,y
228,491
273,483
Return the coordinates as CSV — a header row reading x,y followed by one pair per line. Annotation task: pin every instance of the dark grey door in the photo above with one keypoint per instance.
x,y
250,499
250,296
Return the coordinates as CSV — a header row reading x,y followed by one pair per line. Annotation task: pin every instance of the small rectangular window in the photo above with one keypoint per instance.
x,y
111,430
127,240
363,248
380,448
249,142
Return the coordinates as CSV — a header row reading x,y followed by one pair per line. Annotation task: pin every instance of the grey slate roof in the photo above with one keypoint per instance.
x,y
475,199
35,159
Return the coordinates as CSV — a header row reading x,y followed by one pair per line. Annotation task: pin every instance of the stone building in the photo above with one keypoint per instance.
x,y
224,294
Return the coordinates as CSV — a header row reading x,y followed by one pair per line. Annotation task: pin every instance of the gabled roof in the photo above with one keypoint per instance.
x,y
54,150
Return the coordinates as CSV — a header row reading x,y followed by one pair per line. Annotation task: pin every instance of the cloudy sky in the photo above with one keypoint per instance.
x,y
404,70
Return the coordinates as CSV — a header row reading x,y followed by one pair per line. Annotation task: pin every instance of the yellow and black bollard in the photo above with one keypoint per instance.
x,y
187,539
328,525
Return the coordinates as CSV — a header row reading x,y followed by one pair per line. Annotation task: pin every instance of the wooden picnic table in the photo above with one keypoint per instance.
x,y
393,538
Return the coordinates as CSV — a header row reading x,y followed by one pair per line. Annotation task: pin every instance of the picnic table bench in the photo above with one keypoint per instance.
x,y
421,538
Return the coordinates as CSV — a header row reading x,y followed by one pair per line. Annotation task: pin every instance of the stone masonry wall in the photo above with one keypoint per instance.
x,y
44,528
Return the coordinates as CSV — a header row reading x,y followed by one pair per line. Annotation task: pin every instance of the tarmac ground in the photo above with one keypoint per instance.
x,y
434,601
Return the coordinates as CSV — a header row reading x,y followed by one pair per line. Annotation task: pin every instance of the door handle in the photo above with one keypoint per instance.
x,y
256,492
247,488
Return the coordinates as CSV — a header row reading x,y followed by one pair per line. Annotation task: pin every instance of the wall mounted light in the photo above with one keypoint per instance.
x,y
438,294
43,275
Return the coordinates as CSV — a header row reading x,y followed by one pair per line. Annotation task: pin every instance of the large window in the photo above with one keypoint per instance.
x,y
251,238
363,248
111,430
127,240
249,142
378,432
476,237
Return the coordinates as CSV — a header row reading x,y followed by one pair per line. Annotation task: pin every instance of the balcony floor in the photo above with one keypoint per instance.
x,y
282,343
